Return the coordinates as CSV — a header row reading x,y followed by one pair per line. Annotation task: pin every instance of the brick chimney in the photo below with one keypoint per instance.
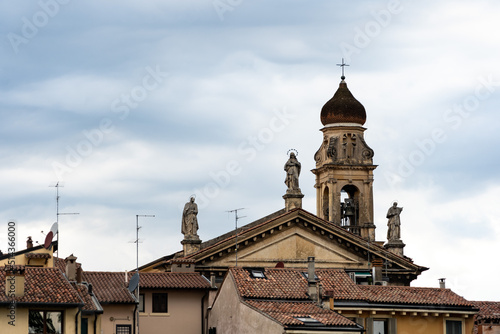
x,y
14,281
29,243
71,267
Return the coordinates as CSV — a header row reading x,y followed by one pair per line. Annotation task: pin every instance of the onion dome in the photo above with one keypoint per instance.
x,y
343,108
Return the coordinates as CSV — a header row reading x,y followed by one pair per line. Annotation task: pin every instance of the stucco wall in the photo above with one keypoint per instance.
x,y
22,321
231,316
184,313
122,314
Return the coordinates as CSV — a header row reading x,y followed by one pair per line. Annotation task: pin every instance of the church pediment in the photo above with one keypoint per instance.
x,y
295,246
292,237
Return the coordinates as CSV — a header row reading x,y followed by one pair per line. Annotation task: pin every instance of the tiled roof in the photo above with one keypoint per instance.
x,y
90,303
37,255
43,285
290,284
413,295
286,313
279,284
169,280
487,310
109,287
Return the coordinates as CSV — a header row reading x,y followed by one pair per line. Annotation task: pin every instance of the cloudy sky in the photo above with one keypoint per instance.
x,y
133,106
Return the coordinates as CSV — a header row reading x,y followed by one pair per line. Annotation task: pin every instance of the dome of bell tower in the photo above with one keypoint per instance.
x,y
343,108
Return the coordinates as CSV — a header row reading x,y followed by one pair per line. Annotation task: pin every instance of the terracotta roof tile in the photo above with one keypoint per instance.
x,y
83,292
487,310
279,284
43,285
290,284
287,313
109,287
37,256
168,280
413,295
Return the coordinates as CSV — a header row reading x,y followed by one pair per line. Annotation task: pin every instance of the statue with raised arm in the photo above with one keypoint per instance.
x,y
189,220
292,168
394,223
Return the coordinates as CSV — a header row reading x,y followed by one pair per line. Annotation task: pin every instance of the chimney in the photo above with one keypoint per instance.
x,y
14,281
79,273
442,283
29,243
313,286
377,265
71,267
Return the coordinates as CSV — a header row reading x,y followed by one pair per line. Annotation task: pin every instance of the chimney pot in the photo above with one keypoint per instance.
x,y
442,283
71,267
29,243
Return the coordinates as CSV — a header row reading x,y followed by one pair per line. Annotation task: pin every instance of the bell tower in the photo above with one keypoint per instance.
x,y
344,166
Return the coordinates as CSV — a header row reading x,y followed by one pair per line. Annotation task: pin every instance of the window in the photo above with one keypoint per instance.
x,y
45,322
141,302
160,303
258,274
380,327
123,329
453,327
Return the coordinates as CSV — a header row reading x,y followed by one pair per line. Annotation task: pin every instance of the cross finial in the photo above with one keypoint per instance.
x,y
342,65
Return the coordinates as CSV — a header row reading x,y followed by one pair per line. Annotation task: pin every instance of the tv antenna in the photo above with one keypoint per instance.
x,y
236,218
135,280
57,186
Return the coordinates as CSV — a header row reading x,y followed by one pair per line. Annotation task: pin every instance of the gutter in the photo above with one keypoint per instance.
x,y
76,319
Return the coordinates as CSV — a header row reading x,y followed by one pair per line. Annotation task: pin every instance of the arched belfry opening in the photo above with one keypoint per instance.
x,y
344,166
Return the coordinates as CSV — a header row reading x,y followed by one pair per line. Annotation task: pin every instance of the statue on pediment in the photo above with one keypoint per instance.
x,y
292,168
394,222
189,219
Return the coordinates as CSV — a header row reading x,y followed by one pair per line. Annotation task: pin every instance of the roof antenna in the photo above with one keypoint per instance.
x,y
55,227
236,217
342,65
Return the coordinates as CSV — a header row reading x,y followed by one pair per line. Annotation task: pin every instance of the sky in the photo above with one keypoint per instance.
x,y
134,106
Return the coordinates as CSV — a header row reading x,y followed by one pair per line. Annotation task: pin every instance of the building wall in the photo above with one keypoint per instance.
x,y
229,315
184,313
116,314
22,320
413,324
488,329
21,259
91,320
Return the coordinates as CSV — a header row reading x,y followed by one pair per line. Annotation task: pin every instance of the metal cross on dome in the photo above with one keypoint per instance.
x,y
342,65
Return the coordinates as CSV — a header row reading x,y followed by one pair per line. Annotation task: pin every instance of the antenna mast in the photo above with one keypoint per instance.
x,y
236,218
57,185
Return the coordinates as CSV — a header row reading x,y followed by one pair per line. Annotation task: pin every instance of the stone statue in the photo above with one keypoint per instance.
x,y
189,220
394,223
292,168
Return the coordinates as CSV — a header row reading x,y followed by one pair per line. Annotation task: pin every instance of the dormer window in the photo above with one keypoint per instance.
x,y
257,273
306,275
307,320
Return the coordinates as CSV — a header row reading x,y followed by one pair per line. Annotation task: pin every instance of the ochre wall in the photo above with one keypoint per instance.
x,y
184,313
229,315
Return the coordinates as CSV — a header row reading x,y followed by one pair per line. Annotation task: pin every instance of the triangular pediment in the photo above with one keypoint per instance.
x,y
291,237
295,246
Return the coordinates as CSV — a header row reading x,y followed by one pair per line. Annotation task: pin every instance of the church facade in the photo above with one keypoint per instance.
x,y
340,235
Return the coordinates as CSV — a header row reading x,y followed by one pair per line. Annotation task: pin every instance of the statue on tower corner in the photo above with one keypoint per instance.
x,y
394,223
292,168
189,220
